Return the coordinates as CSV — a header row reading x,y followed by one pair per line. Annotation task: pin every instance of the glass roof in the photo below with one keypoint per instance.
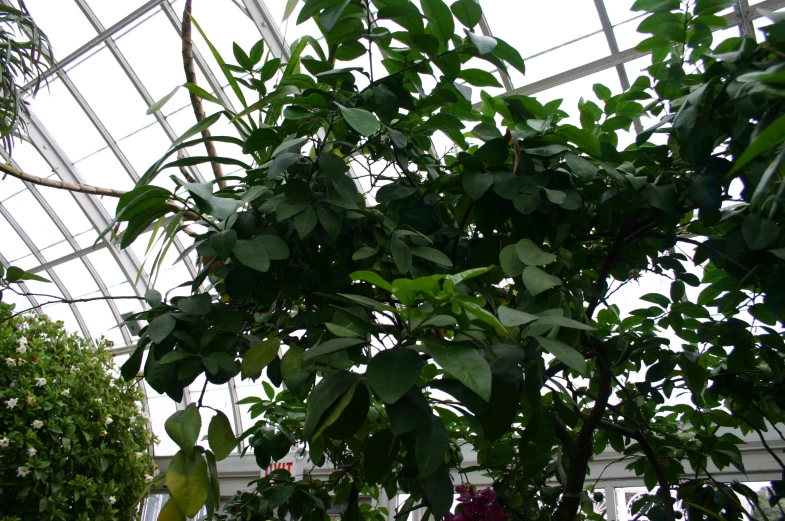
x,y
112,60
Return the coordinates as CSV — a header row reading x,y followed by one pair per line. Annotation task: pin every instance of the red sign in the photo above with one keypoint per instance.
x,y
286,465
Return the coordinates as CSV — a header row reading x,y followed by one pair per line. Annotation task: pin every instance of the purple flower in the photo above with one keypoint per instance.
x,y
476,505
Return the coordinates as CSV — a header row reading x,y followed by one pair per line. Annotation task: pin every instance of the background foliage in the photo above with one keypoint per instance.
x,y
88,457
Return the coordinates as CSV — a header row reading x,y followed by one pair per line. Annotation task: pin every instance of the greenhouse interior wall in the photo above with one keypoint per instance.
x,y
76,132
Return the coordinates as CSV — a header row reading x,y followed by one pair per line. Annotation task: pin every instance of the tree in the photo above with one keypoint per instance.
x,y
73,439
483,274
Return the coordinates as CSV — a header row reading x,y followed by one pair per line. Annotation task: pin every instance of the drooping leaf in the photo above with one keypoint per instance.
x,y
187,481
183,427
221,436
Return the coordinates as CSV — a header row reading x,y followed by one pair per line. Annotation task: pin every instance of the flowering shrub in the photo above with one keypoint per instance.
x,y
73,441
476,506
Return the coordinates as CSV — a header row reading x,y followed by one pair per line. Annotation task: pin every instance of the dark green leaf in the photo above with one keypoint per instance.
x,y
537,281
464,363
391,373
566,354
439,19
258,357
468,12
360,120
221,436
431,445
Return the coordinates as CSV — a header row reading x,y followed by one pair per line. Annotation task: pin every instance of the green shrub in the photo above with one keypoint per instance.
x,y
73,440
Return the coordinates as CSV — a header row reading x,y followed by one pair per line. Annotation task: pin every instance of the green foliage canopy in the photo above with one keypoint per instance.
x,y
482,273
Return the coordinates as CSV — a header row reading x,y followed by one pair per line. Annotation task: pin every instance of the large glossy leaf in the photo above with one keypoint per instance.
x,y
566,354
468,12
258,357
221,436
391,373
537,281
772,135
331,346
431,444
439,19
514,318
464,363
360,120
332,387
187,481
532,255
184,426
253,254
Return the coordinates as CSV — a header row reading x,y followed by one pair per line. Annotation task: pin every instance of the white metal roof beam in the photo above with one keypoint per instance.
x,y
103,35
610,36
267,28
137,83
602,64
51,273
93,210
77,251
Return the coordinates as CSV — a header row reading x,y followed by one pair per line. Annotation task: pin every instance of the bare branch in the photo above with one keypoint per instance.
x,y
196,102
62,185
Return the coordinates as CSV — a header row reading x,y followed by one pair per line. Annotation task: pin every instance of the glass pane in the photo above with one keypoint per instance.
x,y
13,247
64,37
563,59
157,37
66,121
104,169
102,82
545,24
33,219
112,11
76,279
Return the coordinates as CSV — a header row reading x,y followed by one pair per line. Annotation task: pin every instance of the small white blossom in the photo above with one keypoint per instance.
x,y
66,349
66,392
98,401
12,384
132,419
30,400
31,452
21,350
22,471
108,420
139,455
37,424
22,342
148,479
40,382
10,404
20,362
104,433
112,500
4,442
156,470
10,362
